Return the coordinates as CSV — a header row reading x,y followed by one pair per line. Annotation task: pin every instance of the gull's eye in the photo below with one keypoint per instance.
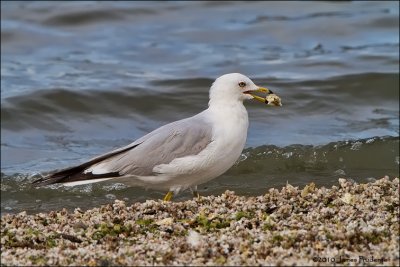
x,y
242,84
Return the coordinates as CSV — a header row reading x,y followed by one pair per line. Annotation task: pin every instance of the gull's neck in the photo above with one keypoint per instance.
x,y
221,103
233,112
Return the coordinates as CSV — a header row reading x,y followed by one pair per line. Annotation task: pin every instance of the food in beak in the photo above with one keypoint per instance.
x,y
273,100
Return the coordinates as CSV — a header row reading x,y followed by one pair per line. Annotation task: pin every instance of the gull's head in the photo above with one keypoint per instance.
x,y
236,87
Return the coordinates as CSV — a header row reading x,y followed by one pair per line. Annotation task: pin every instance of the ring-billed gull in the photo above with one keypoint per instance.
x,y
181,154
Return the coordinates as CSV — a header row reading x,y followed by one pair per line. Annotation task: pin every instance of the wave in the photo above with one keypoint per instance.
x,y
44,108
257,170
378,153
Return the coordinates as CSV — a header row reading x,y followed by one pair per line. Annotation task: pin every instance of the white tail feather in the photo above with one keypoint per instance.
x,y
91,181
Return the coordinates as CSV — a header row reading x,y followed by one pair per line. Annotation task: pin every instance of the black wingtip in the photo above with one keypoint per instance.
x,y
77,173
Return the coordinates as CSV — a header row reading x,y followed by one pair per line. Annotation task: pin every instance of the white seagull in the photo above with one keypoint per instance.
x,y
181,154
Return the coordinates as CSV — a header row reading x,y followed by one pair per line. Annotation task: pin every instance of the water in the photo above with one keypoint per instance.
x,y
82,78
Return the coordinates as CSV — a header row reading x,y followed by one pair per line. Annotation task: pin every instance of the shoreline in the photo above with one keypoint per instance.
x,y
347,224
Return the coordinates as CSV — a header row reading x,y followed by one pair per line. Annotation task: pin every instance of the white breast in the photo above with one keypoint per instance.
x,y
230,133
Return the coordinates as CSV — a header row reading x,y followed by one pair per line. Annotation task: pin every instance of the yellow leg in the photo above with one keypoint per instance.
x,y
196,194
168,196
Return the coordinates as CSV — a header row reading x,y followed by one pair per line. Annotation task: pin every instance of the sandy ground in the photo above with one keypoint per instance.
x,y
349,224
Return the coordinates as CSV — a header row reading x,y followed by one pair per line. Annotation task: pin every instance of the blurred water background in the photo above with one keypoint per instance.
x,y
82,78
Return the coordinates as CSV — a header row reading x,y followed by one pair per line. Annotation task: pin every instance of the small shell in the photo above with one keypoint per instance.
x,y
348,198
273,99
166,221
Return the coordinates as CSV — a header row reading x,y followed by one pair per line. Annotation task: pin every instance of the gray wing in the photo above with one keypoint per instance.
x,y
175,140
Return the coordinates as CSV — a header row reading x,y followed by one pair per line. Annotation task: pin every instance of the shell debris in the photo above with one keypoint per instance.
x,y
283,227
